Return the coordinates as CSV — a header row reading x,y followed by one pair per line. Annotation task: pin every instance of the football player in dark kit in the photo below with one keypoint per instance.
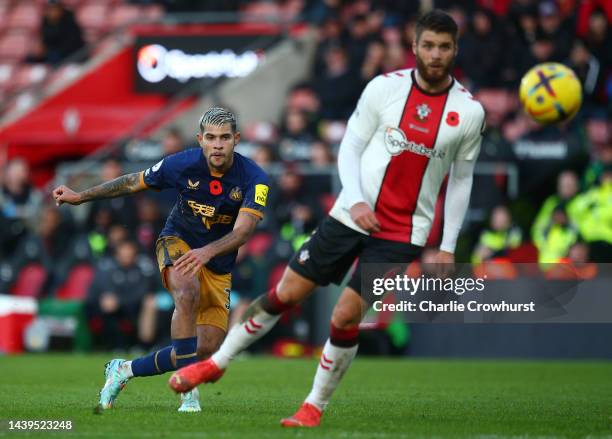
x,y
221,199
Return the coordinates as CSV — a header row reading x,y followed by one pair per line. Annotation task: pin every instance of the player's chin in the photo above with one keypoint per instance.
x,y
217,160
436,73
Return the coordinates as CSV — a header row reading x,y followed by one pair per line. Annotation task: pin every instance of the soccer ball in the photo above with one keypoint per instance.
x,y
550,93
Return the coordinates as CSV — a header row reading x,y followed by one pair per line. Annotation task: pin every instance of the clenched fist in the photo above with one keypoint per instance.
x,y
364,217
63,194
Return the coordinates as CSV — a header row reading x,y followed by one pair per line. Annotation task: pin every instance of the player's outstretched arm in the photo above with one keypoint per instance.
x,y
123,185
190,262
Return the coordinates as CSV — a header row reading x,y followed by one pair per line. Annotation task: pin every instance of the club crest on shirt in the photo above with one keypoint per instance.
x,y
235,194
422,112
192,185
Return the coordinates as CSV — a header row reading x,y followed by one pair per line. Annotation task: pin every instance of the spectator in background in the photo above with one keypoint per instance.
x,y
592,213
599,39
54,244
395,53
542,50
358,40
338,87
408,36
501,236
120,300
150,149
19,201
117,234
554,28
526,24
303,97
294,208
588,69
521,33
579,253
483,37
172,142
600,135
263,156
60,33
373,63
296,137
150,224
98,225
567,188
557,237
329,35
321,155
122,210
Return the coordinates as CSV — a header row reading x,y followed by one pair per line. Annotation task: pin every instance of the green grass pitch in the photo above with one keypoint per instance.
x,y
379,398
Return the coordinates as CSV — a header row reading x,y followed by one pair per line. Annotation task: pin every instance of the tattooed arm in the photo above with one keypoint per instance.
x,y
124,185
190,262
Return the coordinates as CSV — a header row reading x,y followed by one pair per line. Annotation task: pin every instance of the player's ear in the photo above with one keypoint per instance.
x,y
236,138
200,139
414,46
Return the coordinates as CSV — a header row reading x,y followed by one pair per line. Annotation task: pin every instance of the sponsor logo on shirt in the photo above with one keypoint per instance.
x,y
201,209
192,185
209,218
396,143
261,194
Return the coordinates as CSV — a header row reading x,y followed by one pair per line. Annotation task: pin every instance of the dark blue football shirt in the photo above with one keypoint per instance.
x,y
208,204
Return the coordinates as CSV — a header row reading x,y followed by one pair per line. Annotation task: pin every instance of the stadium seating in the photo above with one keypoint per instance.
x,y
25,15
30,281
77,283
14,45
19,27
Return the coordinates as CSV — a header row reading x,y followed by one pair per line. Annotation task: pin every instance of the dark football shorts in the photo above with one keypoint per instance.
x,y
333,247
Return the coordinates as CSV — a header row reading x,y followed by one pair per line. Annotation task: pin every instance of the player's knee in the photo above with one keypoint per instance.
x,y
186,299
345,317
285,295
293,288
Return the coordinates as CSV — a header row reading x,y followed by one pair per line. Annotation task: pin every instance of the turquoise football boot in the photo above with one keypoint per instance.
x,y
116,380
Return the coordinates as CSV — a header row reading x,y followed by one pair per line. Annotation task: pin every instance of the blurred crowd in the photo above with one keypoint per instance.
x,y
562,211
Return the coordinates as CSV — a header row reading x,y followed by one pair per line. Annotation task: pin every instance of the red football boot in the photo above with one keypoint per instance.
x,y
185,379
306,416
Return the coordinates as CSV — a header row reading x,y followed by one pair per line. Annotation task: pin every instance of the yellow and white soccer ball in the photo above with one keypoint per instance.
x,y
550,93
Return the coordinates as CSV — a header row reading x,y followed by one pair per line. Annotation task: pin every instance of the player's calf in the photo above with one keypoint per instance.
x,y
257,320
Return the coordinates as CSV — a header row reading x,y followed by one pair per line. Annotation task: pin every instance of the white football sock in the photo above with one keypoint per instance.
x,y
335,361
242,335
126,369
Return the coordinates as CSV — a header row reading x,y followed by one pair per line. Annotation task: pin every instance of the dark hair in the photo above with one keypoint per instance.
x,y
437,21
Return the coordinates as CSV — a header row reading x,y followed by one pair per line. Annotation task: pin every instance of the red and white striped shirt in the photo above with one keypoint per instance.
x,y
411,139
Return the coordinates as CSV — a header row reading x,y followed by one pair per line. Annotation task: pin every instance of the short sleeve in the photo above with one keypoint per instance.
x,y
364,120
158,175
256,195
470,147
